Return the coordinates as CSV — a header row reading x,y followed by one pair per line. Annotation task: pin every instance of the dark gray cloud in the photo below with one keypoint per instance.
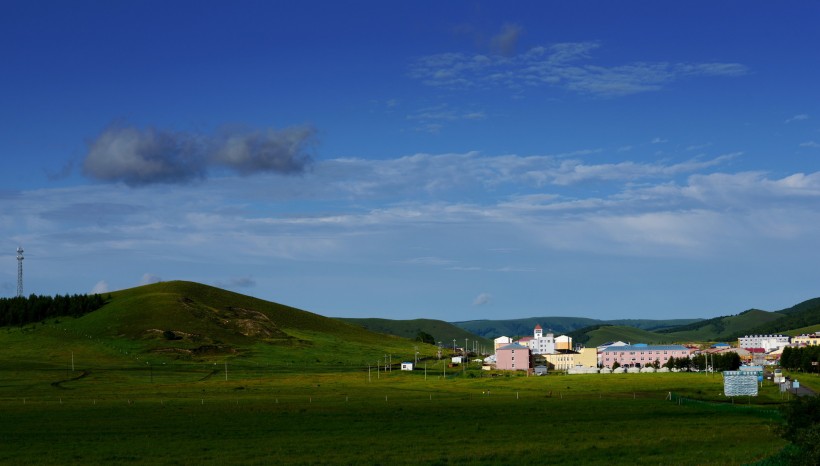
x,y
140,157
283,151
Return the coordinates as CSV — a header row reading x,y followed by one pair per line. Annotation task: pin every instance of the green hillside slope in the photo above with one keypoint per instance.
x,y
804,315
722,328
187,321
441,331
600,334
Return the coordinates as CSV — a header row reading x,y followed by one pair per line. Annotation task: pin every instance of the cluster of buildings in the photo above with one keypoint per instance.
x,y
548,351
764,349
544,350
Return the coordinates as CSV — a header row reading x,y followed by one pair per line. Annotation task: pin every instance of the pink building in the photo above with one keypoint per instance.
x,y
513,357
642,355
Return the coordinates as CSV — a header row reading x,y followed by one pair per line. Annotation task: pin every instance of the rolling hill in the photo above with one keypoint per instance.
x,y
751,322
441,331
181,320
600,334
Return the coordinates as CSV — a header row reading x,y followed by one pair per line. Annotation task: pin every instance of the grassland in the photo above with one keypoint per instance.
x,y
280,385
294,415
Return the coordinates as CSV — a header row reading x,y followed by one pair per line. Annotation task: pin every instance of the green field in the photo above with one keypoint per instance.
x,y
190,414
181,373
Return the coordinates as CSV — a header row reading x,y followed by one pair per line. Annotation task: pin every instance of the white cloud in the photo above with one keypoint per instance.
x,y
559,65
800,117
811,144
100,287
482,299
148,279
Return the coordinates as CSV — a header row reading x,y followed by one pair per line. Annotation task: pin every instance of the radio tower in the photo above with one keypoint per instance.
x,y
19,272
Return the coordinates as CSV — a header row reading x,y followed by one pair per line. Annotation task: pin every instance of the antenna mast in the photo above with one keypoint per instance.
x,y
19,272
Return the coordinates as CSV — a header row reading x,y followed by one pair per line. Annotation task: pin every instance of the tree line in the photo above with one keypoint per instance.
x,y
21,310
801,359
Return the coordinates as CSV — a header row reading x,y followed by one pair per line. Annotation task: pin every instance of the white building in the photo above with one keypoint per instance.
x,y
502,341
541,344
407,366
767,342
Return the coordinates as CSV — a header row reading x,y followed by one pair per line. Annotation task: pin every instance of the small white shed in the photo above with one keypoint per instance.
x,y
407,366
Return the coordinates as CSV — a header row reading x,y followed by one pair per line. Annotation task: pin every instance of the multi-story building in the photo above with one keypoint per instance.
x,y
540,343
568,359
812,339
642,355
767,342
513,357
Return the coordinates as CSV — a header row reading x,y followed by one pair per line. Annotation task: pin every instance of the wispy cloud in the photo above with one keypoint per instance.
x,y
799,117
482,299
100,287
429,261
149,278
236,282
505,42
560,65
810,144
432,119
147,156
452,172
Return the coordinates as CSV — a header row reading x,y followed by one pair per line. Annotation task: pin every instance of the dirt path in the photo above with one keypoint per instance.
x,y
59,383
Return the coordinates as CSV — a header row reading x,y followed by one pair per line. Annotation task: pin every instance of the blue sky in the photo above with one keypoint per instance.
x,y
449,160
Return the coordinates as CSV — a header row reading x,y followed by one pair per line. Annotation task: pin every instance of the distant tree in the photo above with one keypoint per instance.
x,y
21,311
616,365
425,337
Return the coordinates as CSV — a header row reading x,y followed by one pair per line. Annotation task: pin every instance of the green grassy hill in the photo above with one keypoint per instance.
x,y
805,315
441,331
185,321
600,334
722,328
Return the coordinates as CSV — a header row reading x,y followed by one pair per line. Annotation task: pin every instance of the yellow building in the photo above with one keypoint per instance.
x,y
563,342
565,359
809,340
561,361
588,357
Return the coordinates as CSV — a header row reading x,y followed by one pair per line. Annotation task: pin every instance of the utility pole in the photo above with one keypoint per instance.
x,y
20,272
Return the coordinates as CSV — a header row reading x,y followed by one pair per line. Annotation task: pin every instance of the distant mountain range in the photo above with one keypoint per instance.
x,y
801,318
522,327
